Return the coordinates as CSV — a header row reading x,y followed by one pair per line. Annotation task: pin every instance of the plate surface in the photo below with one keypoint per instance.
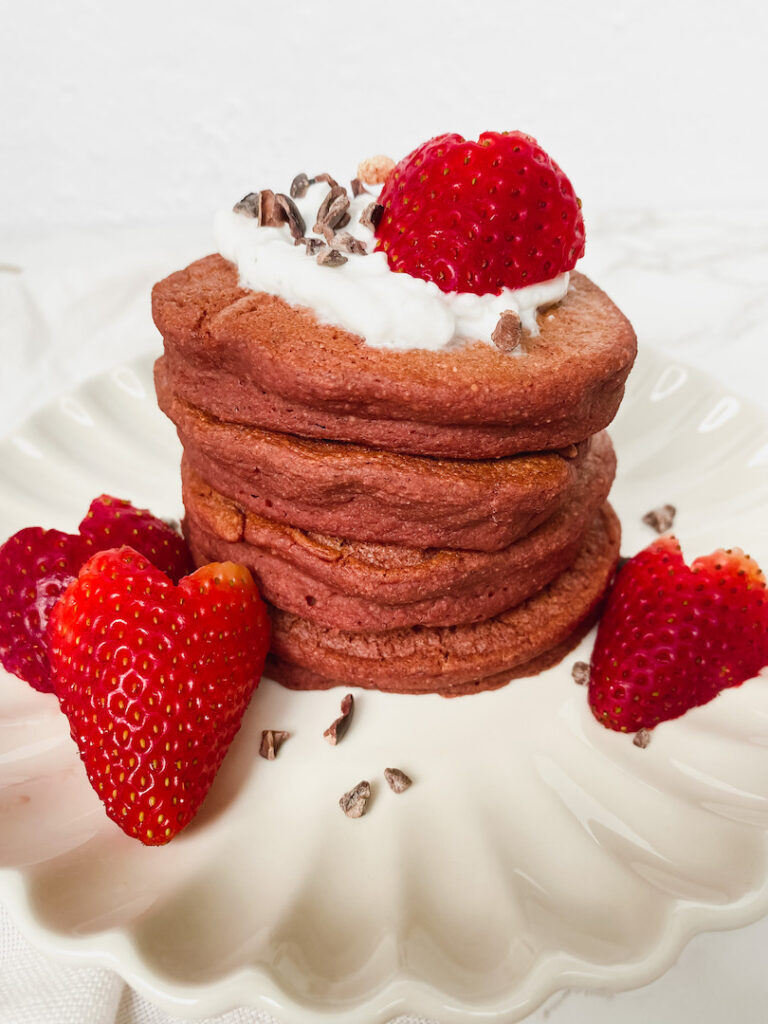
x,y
535,850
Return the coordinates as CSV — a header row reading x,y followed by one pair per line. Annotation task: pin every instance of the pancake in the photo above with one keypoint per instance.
x,y
361,586
251,358
441,660
295,677
367,494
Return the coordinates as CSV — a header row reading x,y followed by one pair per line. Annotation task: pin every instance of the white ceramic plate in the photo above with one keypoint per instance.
x,y
535,850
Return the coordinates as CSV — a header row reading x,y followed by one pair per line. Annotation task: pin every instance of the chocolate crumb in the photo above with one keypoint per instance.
x,y
345,242
661,519
358,188
263,207
336,216
508,331
271,215
356,800
327,178
336,730
371,216
248,205
313,245
398,781
642,738
580,672
295,221
271,741
328,257
299,185
333,210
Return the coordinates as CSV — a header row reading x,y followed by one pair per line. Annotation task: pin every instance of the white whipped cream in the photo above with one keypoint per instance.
x,y
389,310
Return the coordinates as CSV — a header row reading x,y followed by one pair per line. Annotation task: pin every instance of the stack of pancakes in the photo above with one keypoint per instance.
x,y
418,521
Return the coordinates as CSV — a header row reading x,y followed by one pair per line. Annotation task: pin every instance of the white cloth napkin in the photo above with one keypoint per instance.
x,y
75,302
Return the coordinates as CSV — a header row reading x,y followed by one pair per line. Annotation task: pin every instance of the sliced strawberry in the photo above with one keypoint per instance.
x,y
672,637
480,216
112,522
154,679
37,565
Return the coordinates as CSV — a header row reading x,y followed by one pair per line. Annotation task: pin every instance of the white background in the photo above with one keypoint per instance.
x,y
166,109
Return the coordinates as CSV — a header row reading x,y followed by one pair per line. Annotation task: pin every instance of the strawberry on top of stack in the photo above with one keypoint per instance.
x,y
479,217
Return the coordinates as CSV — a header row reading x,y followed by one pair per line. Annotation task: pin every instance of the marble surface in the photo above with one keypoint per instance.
x,y
694,284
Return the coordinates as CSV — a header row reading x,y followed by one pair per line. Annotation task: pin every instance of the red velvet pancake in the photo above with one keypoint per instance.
x,y
361,586
455,658
251,358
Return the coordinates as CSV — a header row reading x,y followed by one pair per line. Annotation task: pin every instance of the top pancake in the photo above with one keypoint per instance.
x,y
252,358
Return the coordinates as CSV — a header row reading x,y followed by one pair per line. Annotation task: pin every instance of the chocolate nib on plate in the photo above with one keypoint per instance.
x,y
336,730
371,216
580,673
295,221
356,800
507,332
398,781
330,257
642,738
271,741
299,185
661,519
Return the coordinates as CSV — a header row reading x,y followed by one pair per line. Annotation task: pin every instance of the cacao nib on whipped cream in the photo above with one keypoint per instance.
x,y
389,310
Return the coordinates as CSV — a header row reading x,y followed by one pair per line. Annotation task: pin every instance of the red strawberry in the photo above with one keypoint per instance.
x,y
154,679
111,522
37,565
672,637
480,216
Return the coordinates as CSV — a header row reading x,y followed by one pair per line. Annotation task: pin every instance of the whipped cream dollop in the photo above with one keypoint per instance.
x,y
388,310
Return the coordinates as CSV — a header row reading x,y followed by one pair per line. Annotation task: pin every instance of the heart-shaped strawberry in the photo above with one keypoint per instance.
x,y
154,679
672,637
37,565
480,216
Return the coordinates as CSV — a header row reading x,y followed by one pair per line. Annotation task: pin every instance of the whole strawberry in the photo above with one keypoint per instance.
x,y
672,637
480,216
37,565
154,679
